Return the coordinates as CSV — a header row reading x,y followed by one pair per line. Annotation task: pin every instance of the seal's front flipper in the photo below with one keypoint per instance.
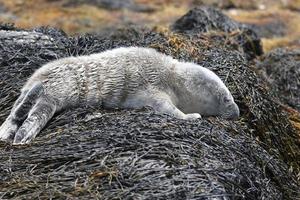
x,y
192,116
38,117
163,104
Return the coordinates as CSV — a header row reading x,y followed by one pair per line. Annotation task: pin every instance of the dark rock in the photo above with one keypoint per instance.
x,y
207,19
113,5
223,4
282,71
7,27
272,29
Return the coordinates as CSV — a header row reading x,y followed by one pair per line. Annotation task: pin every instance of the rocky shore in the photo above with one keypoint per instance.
x,y
89,152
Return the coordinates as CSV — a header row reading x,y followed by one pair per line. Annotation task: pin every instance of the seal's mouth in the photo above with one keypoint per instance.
x,y
233,113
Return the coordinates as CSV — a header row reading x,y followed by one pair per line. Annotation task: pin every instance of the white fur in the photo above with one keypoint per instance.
x,y
130,77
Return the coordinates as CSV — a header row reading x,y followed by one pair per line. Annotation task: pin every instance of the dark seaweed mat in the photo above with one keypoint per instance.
x,y
74,162
282,70
138,154
206,19
264,117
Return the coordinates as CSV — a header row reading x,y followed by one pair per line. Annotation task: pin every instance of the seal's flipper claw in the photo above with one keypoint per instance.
x,y
8,130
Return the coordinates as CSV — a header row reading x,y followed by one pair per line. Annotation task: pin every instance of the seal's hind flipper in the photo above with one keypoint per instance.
x,y
9,126
8,130
19,112
38,117
21,108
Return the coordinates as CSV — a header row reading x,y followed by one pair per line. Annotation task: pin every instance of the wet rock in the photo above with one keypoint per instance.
x,y
207,19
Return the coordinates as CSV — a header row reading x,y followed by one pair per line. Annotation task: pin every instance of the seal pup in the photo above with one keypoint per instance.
x,y
126,77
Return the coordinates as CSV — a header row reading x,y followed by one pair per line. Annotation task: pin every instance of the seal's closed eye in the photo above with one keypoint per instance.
x,y
226,100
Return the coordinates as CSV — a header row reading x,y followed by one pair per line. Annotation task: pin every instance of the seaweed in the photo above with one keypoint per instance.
x,y
206,19
281,68
89,152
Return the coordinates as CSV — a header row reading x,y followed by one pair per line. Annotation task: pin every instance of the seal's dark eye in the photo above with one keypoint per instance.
x,y
226,100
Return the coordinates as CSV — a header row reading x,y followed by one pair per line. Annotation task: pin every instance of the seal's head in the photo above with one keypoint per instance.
x,y
208,95
227,108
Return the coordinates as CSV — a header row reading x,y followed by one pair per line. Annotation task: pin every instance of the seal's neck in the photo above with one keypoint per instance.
x,y
178,91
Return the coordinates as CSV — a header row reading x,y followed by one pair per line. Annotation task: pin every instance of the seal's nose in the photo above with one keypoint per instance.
x,y
235,112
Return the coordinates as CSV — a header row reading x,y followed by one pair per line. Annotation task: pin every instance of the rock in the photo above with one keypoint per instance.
x,y
282,71
240,4
224,4
276,28
113,5
207,19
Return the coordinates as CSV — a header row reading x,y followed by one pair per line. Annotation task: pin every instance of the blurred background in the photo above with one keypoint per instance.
x,y
276,21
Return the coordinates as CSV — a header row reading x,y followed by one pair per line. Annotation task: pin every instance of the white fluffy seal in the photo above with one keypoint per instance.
x,y
130,77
